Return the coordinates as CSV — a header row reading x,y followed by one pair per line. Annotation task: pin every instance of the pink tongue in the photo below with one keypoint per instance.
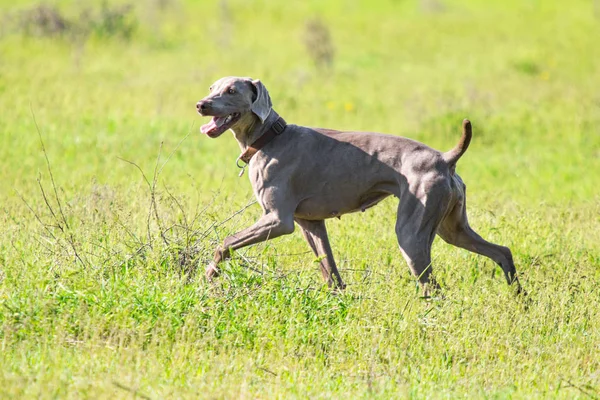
x,y
215,123
209,127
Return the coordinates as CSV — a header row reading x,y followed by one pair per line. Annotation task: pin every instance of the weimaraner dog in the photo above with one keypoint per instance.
x,y
310,174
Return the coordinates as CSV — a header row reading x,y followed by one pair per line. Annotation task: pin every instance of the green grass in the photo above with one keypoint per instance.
x,y
128,320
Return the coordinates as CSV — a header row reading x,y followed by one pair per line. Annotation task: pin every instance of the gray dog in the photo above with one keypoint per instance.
x,y
307,175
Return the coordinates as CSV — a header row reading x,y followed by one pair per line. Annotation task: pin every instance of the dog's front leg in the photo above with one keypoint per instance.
x,y
269,226
315,234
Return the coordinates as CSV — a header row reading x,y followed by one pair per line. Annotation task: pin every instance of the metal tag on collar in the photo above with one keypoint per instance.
x,y
242,167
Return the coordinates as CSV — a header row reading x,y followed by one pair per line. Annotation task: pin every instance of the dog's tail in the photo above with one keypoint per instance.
x,y
452,156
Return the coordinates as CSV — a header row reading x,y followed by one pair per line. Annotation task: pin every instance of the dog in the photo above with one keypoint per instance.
x,y
306,175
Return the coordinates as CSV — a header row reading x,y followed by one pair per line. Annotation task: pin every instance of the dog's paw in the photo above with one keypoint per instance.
x,y
432,290
211,271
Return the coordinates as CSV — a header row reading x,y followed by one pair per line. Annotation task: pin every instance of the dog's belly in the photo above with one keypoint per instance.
x,y
328,205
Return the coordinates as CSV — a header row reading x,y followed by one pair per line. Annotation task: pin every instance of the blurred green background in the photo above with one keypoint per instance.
x,y
97,298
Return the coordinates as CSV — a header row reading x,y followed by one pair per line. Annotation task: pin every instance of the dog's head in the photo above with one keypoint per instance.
x,y
231,99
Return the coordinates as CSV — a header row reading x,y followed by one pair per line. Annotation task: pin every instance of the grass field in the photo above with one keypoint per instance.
x,y
97,293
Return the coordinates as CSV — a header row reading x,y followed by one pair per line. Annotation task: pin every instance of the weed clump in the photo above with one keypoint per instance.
x,y
318,42
43,20
115,21
107,21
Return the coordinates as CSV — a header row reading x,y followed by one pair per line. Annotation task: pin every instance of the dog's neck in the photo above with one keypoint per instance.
x,y
249,128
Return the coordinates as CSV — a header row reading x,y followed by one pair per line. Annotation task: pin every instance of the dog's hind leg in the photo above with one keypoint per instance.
x,y
416,224
455,230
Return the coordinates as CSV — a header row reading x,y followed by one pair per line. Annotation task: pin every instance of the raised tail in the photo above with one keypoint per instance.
x,y
452,156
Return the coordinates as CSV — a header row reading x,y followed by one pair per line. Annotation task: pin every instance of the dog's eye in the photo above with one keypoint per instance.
x,y
231,90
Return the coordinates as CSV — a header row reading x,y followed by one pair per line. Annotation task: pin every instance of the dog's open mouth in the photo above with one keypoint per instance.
x,y
218,125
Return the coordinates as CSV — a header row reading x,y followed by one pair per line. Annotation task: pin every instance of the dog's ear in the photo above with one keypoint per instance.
x,y
262,103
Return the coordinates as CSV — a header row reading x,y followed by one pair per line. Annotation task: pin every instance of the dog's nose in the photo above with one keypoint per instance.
x,y
202,106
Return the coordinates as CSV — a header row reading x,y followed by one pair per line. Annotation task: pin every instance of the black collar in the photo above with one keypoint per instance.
x,y
276,129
